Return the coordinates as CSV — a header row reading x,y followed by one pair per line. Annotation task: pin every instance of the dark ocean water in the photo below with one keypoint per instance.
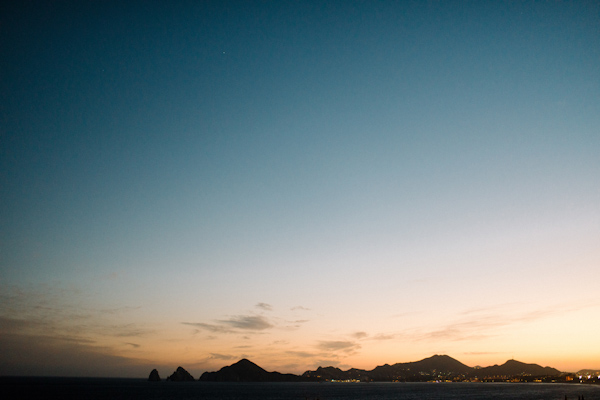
x,y
100,388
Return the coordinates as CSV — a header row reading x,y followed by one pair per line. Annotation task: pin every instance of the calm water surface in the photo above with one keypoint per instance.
x,y
99,388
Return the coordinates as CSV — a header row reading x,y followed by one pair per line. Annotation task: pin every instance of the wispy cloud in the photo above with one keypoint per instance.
x,y
383,336
296,324
264,306
491,308
454,334
235,324
248,322
59,313
210,327
337,345
217,356
360,335
134,345
482,323
299,308
24,354
128,330
301,354
474,327
117,310
298,321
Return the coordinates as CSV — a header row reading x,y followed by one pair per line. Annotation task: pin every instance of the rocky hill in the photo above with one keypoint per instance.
x,y
426,369
181,375
516,368
246,371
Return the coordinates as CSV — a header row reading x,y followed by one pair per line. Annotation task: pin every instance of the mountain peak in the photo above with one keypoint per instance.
x,y
245,362
245,371
181,375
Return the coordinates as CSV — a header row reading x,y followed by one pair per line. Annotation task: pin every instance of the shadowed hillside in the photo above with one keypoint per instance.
x,y
246,371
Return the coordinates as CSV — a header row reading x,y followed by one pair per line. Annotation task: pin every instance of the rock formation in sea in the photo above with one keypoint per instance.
x,y
154,377
181,375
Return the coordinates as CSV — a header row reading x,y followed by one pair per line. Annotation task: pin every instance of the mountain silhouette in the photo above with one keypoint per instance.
x,y
180,375
514,368
426,369
246,371
437,367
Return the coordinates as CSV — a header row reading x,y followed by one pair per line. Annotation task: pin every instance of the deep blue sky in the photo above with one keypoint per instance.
x,y
248,146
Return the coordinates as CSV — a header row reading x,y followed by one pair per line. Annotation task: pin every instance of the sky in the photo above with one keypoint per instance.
x,y
299,183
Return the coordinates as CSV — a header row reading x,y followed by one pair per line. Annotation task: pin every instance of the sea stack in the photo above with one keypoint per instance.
x,y
154,377
181,375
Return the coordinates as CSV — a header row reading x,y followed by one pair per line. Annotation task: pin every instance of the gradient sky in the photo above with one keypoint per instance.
x,y
298,183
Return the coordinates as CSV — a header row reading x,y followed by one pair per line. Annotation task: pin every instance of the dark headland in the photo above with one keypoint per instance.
x,y
246,371
435,368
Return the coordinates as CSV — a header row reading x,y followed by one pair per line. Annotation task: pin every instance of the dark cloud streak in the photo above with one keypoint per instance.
x,y
245,323
338,345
